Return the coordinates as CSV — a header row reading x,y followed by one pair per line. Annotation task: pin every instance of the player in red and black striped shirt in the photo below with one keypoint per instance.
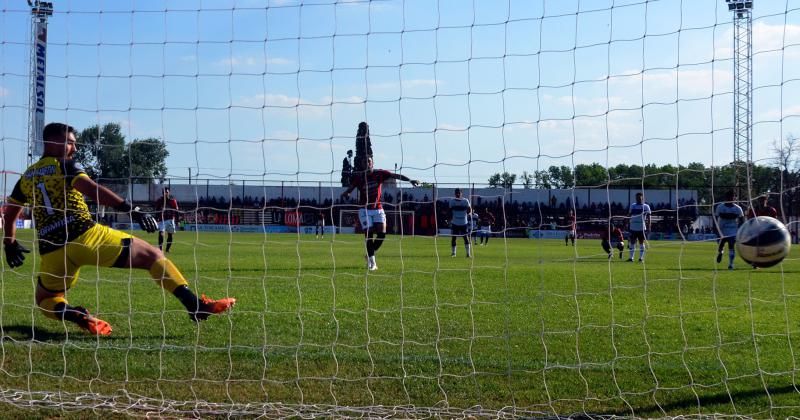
x,y
370,212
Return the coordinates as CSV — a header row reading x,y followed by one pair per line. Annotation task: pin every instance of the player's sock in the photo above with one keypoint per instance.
x,y
57,308
731,256
169,241
468,248
453,251
167,275
631,251
373,265
160,239
642,250
378,242
48,307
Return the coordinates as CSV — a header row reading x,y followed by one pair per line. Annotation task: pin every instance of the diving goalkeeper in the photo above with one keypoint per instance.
x,y
68,237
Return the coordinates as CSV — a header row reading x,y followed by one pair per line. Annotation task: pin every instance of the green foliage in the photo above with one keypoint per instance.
x,y
504,180
106,156
147,159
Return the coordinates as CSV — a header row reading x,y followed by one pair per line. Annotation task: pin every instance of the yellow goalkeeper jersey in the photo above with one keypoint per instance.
x,y
60,213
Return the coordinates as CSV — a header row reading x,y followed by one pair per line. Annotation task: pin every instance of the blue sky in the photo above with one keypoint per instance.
x,y
454,90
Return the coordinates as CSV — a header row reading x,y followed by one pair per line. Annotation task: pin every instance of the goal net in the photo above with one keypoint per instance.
x,y
537,111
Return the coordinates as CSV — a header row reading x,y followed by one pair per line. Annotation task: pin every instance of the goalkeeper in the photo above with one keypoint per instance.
x,y
68,237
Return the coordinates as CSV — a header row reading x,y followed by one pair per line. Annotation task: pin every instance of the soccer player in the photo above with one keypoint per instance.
x,y
319,231
572,228
728,216
611,237
487,220
763,208
474,221
69,238
638,225
371,214
460,210
167,210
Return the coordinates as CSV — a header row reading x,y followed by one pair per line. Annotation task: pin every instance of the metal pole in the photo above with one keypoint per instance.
x,y
40,11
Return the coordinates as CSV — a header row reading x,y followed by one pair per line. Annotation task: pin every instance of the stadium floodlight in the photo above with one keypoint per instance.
x,y
40,11
739,5
743,86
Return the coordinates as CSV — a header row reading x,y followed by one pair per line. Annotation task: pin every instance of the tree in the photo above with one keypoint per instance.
x,y
542,179
106,157
505,180
527,180
147,159
102,151
785,153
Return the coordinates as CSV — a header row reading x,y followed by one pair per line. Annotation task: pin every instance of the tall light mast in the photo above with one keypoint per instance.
x,y
40,11
742,89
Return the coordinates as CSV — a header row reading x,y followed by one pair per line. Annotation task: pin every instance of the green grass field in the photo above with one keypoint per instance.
x,y
533,325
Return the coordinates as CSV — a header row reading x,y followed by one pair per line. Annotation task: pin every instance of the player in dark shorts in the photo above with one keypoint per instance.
x,y
612,238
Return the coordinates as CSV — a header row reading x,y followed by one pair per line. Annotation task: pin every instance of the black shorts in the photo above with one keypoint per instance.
x,y
607,245
730,240
457,230
635,235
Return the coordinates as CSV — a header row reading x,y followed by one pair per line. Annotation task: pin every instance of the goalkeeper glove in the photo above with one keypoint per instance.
x,y
15,254
145,220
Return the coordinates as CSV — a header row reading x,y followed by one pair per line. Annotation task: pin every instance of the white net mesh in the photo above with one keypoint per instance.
x,y
531,108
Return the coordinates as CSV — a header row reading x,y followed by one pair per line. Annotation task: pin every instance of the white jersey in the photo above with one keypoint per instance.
x,y
474,219
728,215
639,214
460,208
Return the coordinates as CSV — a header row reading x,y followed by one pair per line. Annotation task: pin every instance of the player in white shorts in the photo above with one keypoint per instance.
x,y
166,211
728,216
460,210
638,225
370,213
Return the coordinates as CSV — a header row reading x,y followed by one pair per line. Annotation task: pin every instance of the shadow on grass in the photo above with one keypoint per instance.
x,y
28,333
688,405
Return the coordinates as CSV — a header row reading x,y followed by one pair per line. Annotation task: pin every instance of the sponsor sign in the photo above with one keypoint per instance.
x,y
38,100
291,218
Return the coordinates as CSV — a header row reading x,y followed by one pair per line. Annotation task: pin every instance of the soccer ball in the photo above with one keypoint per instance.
x,y
763,241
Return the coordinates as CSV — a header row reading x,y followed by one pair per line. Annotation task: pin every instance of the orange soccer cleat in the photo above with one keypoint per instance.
x,y
87,322
208,307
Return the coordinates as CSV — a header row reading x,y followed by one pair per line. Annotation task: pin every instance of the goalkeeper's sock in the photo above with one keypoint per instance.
x,y
167,275
378,242
187,298
53,307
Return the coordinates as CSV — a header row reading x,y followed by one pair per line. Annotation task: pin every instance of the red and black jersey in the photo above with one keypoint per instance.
x,y
369,187
487,219
616,235
763,211
571,221
167,209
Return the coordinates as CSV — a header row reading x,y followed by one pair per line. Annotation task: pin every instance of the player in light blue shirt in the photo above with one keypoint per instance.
x,y
638,225
728,216
460,210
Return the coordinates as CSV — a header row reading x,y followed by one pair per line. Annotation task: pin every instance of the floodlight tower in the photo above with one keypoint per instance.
x,y
742,88
40,11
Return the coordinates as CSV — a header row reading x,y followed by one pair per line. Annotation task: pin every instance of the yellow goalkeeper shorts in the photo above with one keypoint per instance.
x,y
99,246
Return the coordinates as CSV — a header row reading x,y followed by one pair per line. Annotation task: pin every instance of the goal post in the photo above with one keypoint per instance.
x,y
534,108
